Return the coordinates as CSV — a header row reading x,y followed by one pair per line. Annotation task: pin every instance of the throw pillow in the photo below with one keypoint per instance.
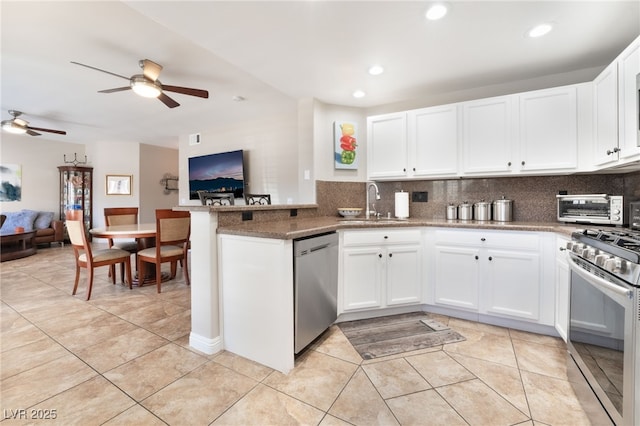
x,y
24,218
43,221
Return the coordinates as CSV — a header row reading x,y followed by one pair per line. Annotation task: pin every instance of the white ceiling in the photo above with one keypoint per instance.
x,y
273,53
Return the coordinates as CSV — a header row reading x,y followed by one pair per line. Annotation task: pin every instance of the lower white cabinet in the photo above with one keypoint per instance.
x,y
563,275
380,268
490,272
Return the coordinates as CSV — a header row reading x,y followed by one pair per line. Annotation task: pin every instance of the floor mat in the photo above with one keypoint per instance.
x,y
378,337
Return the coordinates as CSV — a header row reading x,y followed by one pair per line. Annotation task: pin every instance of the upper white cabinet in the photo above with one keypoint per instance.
x,y
433,141
615,111
548,133
487,136
387,146
418,143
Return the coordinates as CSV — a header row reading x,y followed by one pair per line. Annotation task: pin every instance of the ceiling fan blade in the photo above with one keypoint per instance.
x,y
150,69
32,133
186,91
117,89
98,69
60,132
168,101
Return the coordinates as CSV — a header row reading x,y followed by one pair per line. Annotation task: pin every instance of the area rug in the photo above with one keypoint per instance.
x,y
390,335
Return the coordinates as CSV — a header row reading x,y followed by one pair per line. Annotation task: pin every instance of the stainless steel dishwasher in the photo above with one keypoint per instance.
x,y
315,287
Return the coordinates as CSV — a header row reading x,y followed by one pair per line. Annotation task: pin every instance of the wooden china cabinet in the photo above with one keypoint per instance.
x,y
76,193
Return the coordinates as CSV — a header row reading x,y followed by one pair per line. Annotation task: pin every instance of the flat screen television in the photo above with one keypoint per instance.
x,y
222,172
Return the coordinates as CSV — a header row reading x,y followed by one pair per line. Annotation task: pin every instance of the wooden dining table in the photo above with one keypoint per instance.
x,y
144,234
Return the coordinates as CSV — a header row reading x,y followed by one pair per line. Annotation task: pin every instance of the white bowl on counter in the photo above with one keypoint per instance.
x,y
349,211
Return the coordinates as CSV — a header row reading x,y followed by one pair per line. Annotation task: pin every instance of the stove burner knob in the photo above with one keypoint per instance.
x,y
591,253
600,260
615,265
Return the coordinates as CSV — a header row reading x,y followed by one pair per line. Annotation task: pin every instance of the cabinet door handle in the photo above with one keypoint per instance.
x,y
509,164
476,256
380,255
490,258
390,254
404,169
483,239
523,163
562,249
414,169
386,237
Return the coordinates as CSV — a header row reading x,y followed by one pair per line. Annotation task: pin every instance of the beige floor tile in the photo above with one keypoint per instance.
x,y
541,359
95,399
458,324
172,327
360,404
37,384
199,397
552,400
478,404
541,339
329,420
94,332
424,408
504,380
135,416
484,345
334,343
19,333
70,320
244,366
151,372
113,352
266,406
26,357
439,369
317,379
150,313
395,377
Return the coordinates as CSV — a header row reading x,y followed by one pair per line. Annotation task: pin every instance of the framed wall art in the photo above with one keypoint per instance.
x,y
345,145
119,184
11,182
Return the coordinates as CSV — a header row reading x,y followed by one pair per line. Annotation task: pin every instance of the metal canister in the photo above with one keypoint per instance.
x,y
503,210
465,211
482,210
452,212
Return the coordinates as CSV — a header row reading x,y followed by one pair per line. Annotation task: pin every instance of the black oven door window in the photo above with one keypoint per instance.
x,y
596,331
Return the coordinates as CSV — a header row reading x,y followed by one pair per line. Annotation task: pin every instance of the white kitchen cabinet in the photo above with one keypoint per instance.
x,y
548,130
562,288
490,272
616,110
387,146
379,268
433,141
487,136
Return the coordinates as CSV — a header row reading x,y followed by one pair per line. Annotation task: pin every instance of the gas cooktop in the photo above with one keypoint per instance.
x,y
623,243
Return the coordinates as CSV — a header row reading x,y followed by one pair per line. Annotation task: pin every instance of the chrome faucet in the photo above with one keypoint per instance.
x,y
373,205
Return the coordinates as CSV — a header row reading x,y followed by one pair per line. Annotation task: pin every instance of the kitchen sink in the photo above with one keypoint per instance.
x,y
380,221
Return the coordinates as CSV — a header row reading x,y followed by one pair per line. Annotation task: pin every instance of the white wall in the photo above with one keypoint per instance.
x,y
154,163
271,156
39,158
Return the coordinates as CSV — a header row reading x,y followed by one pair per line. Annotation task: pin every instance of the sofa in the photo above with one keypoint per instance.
x,y
48,230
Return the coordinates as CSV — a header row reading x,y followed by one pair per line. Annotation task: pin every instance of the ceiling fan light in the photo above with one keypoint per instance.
x,y
11,127
144,87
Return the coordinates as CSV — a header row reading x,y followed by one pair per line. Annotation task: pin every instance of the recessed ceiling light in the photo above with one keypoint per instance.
x,y
539,30
239,98
437,11
376,70
358,94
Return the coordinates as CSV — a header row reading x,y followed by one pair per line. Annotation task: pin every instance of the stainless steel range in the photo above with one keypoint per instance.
x,y
604,329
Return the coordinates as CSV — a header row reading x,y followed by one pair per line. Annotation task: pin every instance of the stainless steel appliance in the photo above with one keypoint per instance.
x,y
315,287
604,313
634,215
595,209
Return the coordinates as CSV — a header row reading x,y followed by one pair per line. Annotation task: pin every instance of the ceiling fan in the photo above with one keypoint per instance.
x,y
148,85
20,126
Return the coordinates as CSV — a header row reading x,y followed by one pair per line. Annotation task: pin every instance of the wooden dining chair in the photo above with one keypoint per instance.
x,y
173,229
121,216
91,259
257,199
216,198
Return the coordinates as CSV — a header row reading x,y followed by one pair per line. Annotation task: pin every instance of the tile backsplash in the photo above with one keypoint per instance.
x,y
534,197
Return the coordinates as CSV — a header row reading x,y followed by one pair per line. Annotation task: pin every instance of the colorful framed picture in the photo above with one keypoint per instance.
x,y
119,184
11,182
345,136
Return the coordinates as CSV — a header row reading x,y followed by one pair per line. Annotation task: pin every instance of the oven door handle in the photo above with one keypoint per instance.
x,y
599,281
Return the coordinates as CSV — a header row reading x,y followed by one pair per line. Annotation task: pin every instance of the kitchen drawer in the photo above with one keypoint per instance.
x,y
386,236
489,239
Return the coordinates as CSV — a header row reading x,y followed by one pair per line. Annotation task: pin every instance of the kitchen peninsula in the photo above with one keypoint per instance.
x,y
242,271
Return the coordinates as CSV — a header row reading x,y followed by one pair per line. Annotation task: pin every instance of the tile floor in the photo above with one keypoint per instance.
x,y
123,358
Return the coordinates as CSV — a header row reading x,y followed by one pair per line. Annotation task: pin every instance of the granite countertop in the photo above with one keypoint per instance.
x,y
298,228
